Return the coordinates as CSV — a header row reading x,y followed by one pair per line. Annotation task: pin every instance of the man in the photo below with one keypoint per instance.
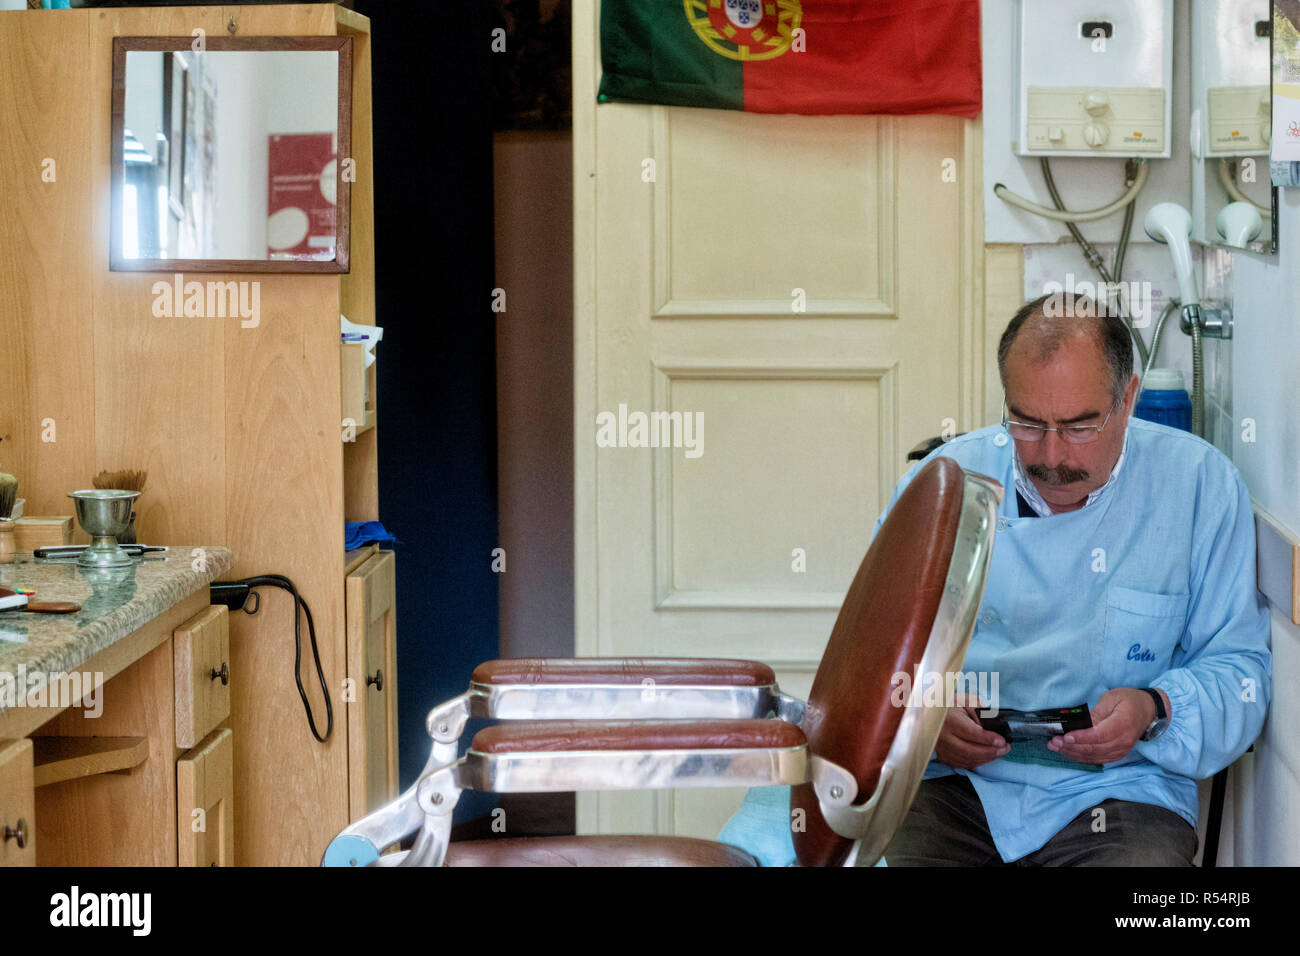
x,y
1123,575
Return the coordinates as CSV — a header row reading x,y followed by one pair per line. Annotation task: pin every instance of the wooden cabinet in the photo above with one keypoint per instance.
x,y
17,804
240,427
372,673
205,803
115,786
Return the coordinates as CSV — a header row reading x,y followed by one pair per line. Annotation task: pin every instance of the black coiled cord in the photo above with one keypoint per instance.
x,y
231,588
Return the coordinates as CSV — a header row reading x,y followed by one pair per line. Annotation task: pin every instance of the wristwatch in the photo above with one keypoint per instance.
x,y
1158,725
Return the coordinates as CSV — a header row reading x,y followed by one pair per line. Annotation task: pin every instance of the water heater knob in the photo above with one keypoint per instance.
x,y
1096,134
1096,102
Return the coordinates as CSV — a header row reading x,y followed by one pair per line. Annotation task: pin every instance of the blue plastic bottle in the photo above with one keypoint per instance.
x,y
1164,400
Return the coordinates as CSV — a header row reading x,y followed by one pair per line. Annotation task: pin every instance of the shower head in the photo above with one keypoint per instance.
x,y
1239,223
1171,224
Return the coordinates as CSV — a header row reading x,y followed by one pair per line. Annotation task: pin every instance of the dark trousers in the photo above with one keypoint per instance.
x,y
946,826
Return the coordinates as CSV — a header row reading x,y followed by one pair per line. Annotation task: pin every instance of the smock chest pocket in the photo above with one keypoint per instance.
x,y
1142,631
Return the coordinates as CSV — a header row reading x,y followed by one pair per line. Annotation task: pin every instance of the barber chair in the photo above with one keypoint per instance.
x,y
853,759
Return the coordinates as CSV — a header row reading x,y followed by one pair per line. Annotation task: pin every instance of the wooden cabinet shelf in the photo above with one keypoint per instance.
x,y
70,758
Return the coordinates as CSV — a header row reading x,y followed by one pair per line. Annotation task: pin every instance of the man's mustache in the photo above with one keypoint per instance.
x,y
1061,475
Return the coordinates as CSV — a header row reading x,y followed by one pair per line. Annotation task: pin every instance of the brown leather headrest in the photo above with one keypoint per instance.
x,y
882,629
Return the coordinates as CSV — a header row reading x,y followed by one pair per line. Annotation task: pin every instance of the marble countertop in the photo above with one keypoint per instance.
x,y
114,603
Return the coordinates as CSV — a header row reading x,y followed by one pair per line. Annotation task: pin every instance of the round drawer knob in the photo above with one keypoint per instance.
x,y
377,680
18,834
224,674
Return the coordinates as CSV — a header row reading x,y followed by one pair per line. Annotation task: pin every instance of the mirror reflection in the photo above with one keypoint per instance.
x,y
1232,195
229,155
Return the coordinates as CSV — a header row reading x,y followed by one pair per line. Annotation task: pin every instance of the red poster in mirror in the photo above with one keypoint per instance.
x,y
300,208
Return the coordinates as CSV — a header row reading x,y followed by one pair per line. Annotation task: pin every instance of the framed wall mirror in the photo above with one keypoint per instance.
x,y
1234,203
232,157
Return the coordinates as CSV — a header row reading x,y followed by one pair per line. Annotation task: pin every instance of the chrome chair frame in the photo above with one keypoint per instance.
x,y
425,809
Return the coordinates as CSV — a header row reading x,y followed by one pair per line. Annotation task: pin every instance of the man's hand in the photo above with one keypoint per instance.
x,y
1121,716
963,743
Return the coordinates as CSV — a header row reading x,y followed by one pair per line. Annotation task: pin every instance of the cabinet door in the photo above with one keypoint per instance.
x,y
17,804
201,656
372,666
205,803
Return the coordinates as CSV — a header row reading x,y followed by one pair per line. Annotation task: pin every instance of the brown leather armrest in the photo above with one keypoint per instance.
x,y
546,736
666,671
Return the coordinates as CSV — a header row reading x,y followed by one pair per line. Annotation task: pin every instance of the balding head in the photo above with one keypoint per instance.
x,y
1067,371
1059,320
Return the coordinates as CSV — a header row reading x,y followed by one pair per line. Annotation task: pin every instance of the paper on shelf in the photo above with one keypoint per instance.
x,y
374,332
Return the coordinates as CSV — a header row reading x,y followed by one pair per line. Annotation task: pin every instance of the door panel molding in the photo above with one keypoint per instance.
x,y
878,249
667,595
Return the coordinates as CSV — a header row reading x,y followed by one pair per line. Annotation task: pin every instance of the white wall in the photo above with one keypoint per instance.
x,y
1267,389
143,105
241,164
306,84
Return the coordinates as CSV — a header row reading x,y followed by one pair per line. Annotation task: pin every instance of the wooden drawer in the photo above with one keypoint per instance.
x,y
205,803
372,666
17,804
201,655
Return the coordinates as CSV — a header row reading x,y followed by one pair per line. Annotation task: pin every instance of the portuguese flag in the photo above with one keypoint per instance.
x,y
794,56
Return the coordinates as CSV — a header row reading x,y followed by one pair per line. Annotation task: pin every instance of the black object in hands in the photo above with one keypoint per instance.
x,y
1037,724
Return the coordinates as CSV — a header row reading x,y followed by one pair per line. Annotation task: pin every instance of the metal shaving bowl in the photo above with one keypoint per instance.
x,y
104,513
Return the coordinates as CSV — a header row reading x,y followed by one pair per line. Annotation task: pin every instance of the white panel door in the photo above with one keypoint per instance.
x,y
806,289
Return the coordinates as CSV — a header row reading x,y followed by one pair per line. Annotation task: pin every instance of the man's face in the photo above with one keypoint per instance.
x,y
1072,387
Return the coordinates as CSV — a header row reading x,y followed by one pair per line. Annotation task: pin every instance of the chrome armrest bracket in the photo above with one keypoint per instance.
x,y
790,709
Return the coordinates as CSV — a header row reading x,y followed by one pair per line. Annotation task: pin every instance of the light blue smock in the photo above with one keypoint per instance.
x,y
1151,585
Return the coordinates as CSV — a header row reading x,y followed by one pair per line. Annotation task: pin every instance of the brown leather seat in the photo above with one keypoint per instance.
x,y
596,851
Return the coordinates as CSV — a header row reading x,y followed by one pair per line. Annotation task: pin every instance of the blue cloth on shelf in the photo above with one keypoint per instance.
x,y
358,533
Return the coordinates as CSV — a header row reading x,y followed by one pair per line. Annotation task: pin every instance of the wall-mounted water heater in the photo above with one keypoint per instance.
x,y
1094,77
1231,98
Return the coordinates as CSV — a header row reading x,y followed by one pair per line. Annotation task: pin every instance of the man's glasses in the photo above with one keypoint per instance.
x,y
1074,434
